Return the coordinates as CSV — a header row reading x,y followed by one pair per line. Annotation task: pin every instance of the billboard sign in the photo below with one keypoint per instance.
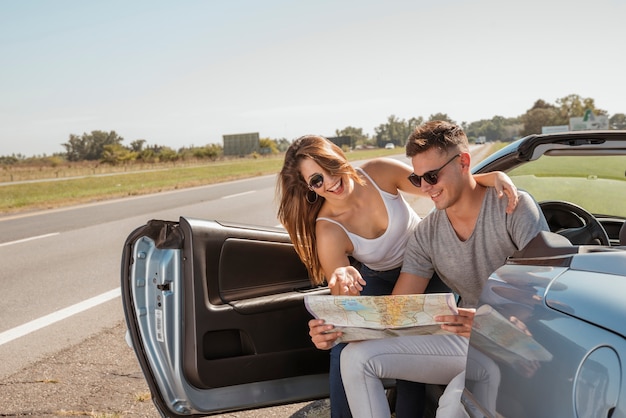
x,y
241,144
553,129
589,122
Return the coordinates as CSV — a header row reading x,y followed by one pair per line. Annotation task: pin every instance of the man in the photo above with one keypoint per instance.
x,y
467,237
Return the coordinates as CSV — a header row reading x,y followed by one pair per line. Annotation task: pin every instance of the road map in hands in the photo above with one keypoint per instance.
x,y
372,317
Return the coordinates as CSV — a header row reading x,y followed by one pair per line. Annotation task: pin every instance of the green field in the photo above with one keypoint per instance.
x,y
585,181
27,196
595,183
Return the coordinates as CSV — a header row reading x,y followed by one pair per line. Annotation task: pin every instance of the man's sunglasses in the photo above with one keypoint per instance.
x,y
316,181
429,177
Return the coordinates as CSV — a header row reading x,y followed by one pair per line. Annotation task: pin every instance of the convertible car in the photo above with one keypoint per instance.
x,y
215,310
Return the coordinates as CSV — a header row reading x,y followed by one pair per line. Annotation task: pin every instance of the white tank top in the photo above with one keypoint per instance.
x,y
387,251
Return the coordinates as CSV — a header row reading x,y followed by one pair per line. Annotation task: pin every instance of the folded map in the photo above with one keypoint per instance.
x,y
372,317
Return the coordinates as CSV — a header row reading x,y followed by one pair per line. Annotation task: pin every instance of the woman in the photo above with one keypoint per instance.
x,y
332,210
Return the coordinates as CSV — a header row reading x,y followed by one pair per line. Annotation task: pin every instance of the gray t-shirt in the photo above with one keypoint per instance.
x,y
465,266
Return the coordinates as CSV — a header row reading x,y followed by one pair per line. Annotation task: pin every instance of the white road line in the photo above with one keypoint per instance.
x,y
57,316
238,194
29,239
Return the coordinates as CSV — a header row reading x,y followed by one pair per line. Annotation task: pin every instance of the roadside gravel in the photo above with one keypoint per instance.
x,y
100,377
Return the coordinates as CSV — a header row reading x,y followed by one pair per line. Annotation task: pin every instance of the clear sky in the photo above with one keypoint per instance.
x,y
183,73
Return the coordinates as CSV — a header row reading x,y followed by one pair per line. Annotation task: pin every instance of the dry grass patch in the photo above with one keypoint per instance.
x,y
143,397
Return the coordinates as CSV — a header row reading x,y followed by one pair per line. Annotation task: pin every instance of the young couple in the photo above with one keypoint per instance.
x,y
332,210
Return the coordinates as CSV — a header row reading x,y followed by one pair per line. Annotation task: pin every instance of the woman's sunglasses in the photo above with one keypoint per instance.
x,y
316,181
429,177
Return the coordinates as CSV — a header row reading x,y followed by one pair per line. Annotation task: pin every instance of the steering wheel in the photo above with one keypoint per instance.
x,y
573,222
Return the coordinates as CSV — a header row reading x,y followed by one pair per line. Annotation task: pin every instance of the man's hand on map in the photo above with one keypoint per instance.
x,y
460,324
322,334
346,281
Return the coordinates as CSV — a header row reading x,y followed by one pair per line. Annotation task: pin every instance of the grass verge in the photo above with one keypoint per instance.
x,y
50,194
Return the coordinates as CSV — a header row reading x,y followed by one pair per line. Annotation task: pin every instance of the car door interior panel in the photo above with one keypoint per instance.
x,y
244,282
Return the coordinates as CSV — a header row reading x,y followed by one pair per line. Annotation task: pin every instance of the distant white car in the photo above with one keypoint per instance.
x,y
389,145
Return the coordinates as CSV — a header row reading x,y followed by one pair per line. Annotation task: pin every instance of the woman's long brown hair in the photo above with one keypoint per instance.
x,y
297,215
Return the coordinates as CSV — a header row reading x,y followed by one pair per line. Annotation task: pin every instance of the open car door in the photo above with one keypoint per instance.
x,y
216,317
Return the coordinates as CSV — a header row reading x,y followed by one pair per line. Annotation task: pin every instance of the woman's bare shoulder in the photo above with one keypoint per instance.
x,y
383,164
388,173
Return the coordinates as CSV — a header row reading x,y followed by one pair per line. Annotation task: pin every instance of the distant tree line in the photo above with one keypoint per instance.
x,y
107,147
497,128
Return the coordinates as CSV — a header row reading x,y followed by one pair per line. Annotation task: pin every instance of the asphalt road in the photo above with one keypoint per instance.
x,y
55,260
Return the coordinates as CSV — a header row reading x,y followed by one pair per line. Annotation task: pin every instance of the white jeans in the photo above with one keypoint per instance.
x,y
434,359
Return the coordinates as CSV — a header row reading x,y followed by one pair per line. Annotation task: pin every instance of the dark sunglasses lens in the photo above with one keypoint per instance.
x,y
430,178
415,180
316,181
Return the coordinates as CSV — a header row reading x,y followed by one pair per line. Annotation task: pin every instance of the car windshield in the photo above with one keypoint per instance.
x,y
597,183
